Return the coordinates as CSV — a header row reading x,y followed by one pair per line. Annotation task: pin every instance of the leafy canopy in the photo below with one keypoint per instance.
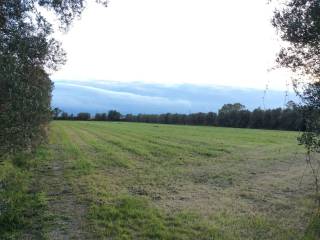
x,y
28,53
298,23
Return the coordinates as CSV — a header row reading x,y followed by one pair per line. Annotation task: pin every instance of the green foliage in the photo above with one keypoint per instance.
x,y
233,115
12,195
83,116
26,109
28,53
101,117
18,206
26,50
311,110
230,115
114,115
232,107
56,113
299,25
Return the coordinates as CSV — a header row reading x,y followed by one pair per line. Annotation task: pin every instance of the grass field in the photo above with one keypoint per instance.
x,y
102,180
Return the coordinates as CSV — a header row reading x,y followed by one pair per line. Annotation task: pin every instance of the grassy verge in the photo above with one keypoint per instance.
x,y
22,206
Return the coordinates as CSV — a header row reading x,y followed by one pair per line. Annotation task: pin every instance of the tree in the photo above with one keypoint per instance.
x,y
243,119
28,54
299,26
256,118
64,116
211,118
229,113
114,115
129,118
275,118
56,113
83,116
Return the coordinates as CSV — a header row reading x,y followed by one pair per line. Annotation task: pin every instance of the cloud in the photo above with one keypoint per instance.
x,y
138,97
127,96
83,97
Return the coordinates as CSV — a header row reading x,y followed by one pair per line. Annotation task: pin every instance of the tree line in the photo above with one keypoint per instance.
x,y
230,115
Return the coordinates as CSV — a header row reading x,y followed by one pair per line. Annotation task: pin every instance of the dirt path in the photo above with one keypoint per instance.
x,y
68,213
65,215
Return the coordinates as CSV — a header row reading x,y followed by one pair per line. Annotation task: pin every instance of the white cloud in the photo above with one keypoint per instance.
x,y
175,41
127,96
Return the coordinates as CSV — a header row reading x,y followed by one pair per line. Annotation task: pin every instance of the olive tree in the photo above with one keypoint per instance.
x,y
298,23
28,54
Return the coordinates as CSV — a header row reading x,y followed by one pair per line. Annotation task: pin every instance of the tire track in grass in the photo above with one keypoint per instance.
x,y
67,219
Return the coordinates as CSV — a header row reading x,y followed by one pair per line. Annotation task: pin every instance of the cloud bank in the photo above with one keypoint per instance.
x,y
138,97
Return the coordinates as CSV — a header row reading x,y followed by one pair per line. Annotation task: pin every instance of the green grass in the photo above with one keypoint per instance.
x,y
148,181
22,205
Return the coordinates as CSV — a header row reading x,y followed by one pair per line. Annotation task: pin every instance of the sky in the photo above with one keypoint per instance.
x,y
203,42
101,96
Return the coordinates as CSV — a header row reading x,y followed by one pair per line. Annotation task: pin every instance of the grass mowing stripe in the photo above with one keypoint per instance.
x,y
157,146
169,190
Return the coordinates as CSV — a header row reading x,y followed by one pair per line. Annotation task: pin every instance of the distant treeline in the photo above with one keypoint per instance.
x,y
230,115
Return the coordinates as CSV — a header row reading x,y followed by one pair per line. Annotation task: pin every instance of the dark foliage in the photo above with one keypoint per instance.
x,y
113,115
28,53
298,23
311,110
83,116
101,117
230,115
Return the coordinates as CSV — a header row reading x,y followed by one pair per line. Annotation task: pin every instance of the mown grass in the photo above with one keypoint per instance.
x,y
148,181
231,183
